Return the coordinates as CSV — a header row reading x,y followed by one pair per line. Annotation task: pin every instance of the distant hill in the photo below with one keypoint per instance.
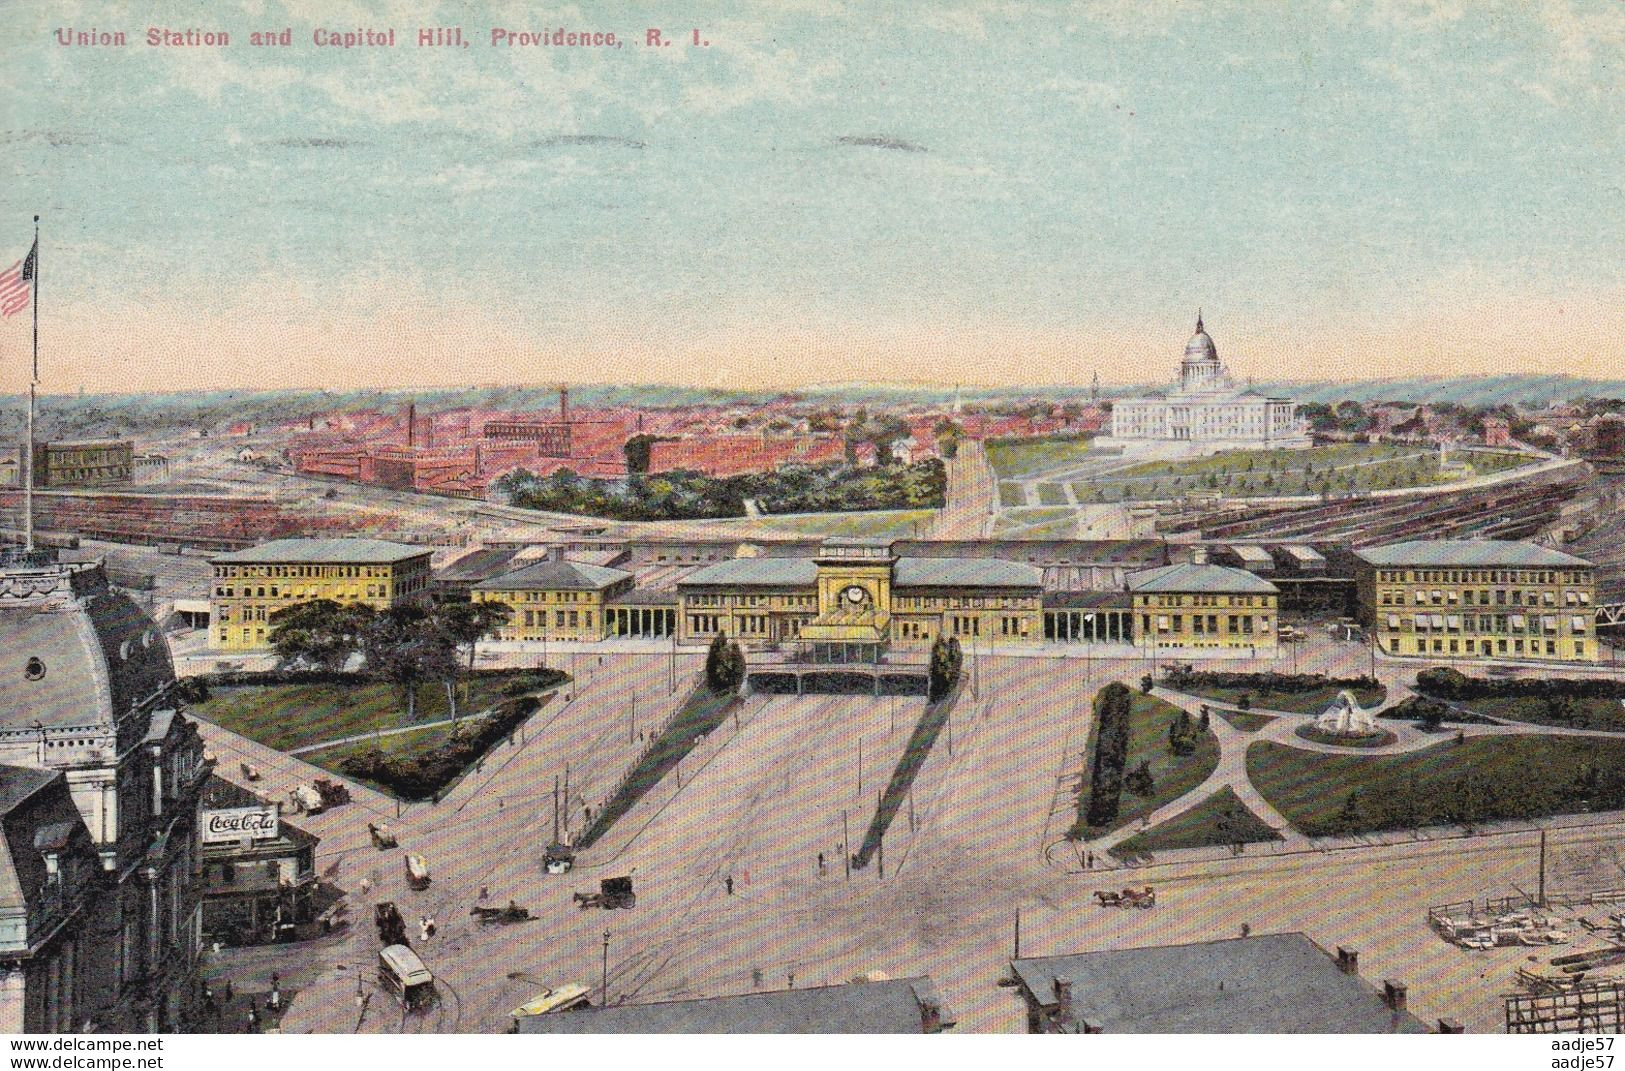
x,y
64,416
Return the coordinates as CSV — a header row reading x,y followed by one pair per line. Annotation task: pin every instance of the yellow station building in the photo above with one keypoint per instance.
x,y
1478,598
1195,606
555,599
250,585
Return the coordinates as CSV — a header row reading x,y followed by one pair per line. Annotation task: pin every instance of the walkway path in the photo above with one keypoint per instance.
x,y
1231,771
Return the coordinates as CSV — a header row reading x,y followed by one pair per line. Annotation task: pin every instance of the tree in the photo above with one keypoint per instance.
x,y
1146,684
1182,734
1139,780
715,658
464,625
1112,709
943,672
320,634
402,645
1205,722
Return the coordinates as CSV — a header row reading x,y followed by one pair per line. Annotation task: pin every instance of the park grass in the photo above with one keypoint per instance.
x,y
1174,775
1314,733
1310,702
1011,495
895,523
1037,522
1021,458
1051,494
700,713
1201,827
1584,712
1243,720
1479,779
1338,468
289,716
401,745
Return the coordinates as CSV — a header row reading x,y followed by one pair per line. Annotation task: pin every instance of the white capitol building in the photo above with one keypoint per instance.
x,y
1205,413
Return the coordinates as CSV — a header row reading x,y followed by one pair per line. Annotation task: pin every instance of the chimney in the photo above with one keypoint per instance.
x,y
930,1016
564,404
1451,1026
1348,960
1393,994
411,424
1063,996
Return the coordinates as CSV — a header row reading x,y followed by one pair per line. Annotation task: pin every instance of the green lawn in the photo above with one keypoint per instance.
x,y
1480,779
1583,712
1011,494
1051,494
401,744
288,716
1381,738
1245,721
1220,820
894,523
1174,775
1020,458
1339,468
1310,702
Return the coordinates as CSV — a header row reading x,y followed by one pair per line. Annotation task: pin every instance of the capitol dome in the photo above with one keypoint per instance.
x,y
1200,347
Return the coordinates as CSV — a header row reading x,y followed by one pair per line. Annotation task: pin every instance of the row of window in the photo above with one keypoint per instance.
x,y
1207,624
1483,597
1483,576
1578,623
1516,646
1171,601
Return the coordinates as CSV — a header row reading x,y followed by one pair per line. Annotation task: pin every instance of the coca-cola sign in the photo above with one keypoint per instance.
x,y
235,823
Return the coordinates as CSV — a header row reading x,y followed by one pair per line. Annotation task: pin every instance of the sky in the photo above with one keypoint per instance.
x,y
981,192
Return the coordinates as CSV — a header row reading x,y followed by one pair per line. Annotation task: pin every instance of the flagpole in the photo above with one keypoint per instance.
x,y
33,387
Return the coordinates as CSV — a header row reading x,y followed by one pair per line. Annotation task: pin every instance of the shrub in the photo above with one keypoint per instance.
x,y
1139,780
1112,707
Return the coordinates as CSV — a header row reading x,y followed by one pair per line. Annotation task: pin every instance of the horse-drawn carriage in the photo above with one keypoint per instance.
x,y
417,871
612,893
501,916
391,926
383,838
1146,897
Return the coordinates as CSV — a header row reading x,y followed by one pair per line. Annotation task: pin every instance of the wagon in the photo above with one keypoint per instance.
x,y
383,838
612,893
503,915
417,871
567,997
250,771
391,927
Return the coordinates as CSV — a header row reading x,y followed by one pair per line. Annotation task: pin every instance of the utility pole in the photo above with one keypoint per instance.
x,y
605,1002
1018,934
846,846
632,721
555,808
1543,868
860,765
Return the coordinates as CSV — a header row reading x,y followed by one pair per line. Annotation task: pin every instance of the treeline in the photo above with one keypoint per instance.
x,y
1445,683
685,495
1183,678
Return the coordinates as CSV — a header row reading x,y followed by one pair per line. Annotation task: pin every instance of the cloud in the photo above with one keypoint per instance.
x,y
880,141
312,143
57,139
611,140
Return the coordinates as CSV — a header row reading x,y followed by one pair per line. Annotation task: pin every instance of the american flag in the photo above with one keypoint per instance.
x,y
16,283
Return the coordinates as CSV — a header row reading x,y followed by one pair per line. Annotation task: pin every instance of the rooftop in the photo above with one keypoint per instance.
x,y
755,572
965,573
889,1007
322,551
1275,984
1201,579
1471,553
554,575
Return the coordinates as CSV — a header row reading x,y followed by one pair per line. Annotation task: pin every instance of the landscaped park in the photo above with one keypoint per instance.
x,y
1040,472
1460,751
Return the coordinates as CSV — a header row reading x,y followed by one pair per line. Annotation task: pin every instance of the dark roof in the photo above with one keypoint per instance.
x,y
965,573
1040,551
1189,577
100,654
1274,984
755,572
1471,553
555,576
890,1007
36,814
477,565
220,794
325,551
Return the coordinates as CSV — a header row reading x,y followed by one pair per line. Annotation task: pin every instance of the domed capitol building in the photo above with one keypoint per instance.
x,y
1205,413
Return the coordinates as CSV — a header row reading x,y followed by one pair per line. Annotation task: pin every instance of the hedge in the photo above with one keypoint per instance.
x,y
425,775
1445,683
1180,677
